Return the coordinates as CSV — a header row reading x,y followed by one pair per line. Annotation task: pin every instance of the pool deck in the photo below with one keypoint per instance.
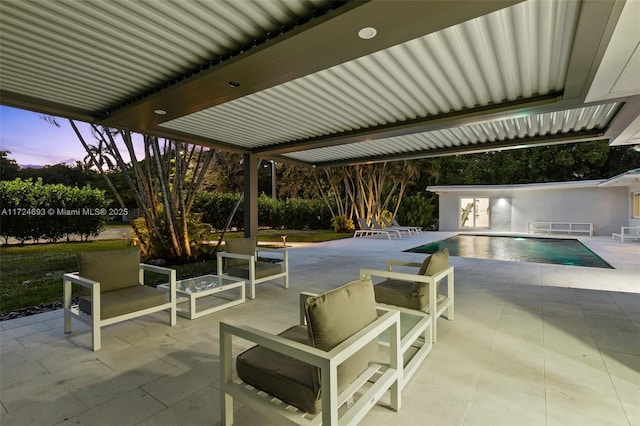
x,y
531,344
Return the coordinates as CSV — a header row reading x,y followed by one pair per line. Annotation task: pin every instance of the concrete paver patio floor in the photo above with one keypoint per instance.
x,y
531,344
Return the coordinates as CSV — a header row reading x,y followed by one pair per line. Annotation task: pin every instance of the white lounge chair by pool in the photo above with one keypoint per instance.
x,y
627,232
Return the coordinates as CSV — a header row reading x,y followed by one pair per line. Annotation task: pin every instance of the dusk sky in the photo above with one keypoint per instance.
x,y
33,141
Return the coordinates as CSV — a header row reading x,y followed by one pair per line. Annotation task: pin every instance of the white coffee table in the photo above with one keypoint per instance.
x,y
221,288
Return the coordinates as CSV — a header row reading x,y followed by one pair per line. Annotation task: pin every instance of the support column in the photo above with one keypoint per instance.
x,y
273,181
250,195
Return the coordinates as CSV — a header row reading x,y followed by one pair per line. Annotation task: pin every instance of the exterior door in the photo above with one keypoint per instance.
x,y
474,212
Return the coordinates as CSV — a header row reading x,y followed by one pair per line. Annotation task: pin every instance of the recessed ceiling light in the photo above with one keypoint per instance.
x,y
367,33
160,111
233,84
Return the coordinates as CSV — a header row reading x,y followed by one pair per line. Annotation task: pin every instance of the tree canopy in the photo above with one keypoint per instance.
x,y
554,163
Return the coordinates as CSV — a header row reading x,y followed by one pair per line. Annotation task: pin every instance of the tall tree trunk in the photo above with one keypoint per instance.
x,y
164,185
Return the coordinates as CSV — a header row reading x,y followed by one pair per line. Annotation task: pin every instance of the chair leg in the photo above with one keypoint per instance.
x,y
67,305
96,335
67,321
252,290
450,295
433,306
96,315
173,319
227,410
252,279
329,377
226,376
396,362
286,269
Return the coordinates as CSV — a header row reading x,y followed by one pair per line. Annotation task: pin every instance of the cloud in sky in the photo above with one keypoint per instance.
x,y
34,141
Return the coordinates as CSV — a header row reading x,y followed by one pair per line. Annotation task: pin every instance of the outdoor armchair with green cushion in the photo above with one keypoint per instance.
x,y
419,290
111,290
241,256
310,371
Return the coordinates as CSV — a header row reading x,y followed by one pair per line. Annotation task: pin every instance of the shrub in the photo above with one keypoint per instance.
x,y
343,224
34,211
294,213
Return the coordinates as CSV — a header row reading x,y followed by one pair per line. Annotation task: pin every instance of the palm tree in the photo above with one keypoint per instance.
x,y
101,154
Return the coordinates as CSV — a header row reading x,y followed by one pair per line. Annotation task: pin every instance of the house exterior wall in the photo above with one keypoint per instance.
x,y
513,209
633,221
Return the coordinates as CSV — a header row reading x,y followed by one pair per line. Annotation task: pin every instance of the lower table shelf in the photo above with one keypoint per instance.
x,y
194,293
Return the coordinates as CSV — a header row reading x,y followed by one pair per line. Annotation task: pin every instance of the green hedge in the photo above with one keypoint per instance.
x,y
291,214
35,211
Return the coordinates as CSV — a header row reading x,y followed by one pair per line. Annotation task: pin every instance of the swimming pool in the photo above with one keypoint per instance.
x,y
519,249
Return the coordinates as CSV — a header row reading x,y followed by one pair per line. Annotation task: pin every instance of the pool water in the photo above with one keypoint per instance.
x,y
519,249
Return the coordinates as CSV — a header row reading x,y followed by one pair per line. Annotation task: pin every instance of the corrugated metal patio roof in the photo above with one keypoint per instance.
x,y
291,80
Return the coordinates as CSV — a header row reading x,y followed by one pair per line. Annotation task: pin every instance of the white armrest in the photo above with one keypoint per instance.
x,y
276,343
403,276
272,250
236,255
309,354
156,269
397,262
84,282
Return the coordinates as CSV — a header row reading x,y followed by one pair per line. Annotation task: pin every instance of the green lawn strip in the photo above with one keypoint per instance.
x,y
293,236
31,274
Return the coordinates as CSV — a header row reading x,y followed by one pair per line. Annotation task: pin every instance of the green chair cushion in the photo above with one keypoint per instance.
x,y
431,266
124,300
288,379
263,269
400,293
240,246
113,269
334,316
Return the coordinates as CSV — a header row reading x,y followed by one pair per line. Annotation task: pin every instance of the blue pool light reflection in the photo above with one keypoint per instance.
x,y
519,249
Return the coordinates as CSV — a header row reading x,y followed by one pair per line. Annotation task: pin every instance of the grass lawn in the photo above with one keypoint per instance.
x,y
31,274
293,236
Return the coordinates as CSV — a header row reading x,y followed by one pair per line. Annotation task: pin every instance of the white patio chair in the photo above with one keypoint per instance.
x,y
416,229
112,290
241,255
419,290
628,233
408,229
398,231
367,230
327,372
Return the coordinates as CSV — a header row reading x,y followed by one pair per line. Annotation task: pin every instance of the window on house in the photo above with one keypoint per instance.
x,y
636,205
474,212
